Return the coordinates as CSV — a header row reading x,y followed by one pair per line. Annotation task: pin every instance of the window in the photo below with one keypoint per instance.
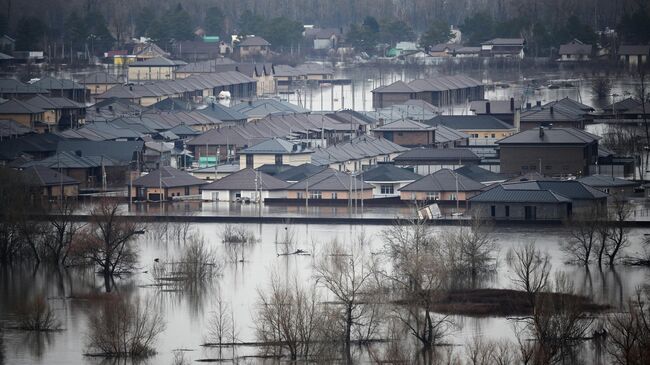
x,y
387,189
300,195
413,196
187,191
507,211
493,135
433,195
278,159
249,161
315,195
493,211
452,197
335,195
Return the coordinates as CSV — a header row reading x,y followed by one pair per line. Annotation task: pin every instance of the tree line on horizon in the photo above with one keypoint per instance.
x,y
82,25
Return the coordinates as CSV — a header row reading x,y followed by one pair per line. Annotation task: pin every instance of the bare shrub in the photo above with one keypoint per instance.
x,y
197,265
617,229
290,319
124,329
479,352
236,238
36,315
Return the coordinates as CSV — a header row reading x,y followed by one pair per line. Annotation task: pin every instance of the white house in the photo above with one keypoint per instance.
x,y
244,185
387,180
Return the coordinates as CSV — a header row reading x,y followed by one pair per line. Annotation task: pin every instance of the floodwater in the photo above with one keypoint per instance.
x,y
187,314
526,86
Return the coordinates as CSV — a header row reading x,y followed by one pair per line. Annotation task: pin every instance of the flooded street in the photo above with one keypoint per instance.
x,y
73,293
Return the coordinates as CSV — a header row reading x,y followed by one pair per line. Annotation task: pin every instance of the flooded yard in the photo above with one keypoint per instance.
x,y
75,294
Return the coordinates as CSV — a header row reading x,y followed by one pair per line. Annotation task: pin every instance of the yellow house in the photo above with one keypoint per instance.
x,y
275,151
159,68
482,129
22,112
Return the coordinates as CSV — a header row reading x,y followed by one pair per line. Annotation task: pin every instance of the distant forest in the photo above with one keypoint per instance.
x,y
112,22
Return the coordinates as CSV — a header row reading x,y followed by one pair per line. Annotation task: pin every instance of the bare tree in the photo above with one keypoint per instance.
x,y
618,231
583,236
531,270
628,341
479,352
289,318
63,231
107,241
348,276
417,277
124,329
221,326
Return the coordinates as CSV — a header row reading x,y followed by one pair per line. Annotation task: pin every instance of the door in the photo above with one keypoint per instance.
x,y
215,196
530,213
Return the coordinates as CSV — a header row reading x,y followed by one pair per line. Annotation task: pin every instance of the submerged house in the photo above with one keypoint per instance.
x,y
439,91
537,200
443,185
165,183
246,185
330,184
388,180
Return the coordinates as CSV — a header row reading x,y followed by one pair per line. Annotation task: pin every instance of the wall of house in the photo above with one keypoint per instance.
x,y
24,119
556,211
443,195
288,159
251,51
383,100
525,125
96,89
408,138
554,160
54,191
376,191
329,195
265,84
150,73
429,169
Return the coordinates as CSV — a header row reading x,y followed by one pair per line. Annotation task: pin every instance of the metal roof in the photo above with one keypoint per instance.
x,y
444,180
604,181
167,177
247,179
470,122
479,174
438,154
550,136
386,172
275,146
330,180
498,194
43,176
298,173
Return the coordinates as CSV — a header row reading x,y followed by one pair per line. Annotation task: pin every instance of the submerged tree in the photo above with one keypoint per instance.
x,y
628,339
584,236
417,277
124,329
107,242
348,276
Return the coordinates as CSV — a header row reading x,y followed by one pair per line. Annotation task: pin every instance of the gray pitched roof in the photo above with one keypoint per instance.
x,y
506,41
298,173
11,128
98,78
604,181
386,172
498,194
550,136
496,106
223,113
43,176
254,41
69,160
246,180
470,122
570,189
158,62
479,174
122,151
405,125
443,180
168,177
575,47
275,146
51,83
634,50
438,154
330,180
396,87
15,106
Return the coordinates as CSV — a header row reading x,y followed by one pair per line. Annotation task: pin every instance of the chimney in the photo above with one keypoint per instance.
x,y
539,103
527,106
512,104
541,132
487,108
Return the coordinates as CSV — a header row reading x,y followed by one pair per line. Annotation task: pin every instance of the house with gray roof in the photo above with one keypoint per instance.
x,y
157,68
503,48
575,51
165,183
277,151
98,82
480,129
11,129
65,88
503,110
477,173
293,174
563,113
388,179
227,115
537,200
11,88
330,185
611,185
634,54
426,161
550,151
438,91
24,113
443,185
252,47
245,185
50,184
